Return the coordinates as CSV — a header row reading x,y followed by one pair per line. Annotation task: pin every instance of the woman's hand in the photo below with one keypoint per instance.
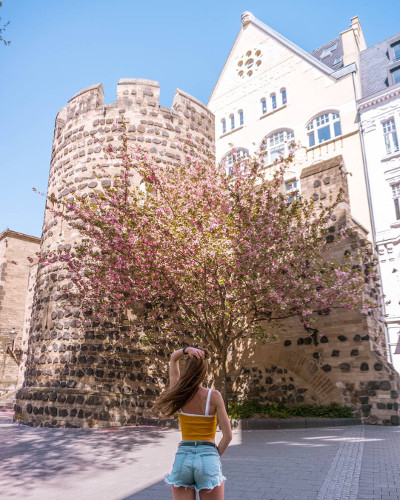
x,y
193,352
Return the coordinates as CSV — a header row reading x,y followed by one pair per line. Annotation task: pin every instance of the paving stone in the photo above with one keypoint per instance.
x,y
129,463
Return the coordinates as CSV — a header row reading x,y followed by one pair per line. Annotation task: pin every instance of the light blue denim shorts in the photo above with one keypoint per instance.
x,y
196,466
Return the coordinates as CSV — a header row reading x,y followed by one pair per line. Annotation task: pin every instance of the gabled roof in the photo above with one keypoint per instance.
x,y
248,17
292,46
330,53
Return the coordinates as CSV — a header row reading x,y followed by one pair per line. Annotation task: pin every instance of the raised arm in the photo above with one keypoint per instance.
x,y
224,424
174,372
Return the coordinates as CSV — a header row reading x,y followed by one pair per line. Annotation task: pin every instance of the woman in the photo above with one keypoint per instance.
x,y
197,464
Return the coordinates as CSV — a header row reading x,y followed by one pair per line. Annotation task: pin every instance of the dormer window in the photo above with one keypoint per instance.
x,y
395,74
396,51
327,52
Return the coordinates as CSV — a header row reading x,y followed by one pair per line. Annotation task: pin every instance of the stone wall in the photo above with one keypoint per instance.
x,y
95,377
17,275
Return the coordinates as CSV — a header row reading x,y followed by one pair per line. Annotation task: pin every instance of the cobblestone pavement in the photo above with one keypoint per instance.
x,y
330,463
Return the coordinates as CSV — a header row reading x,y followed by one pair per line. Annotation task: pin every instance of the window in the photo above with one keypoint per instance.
x,y
327,52
249,63
323,127
292,189
396,51
263,105
229,159
223,121
284,96
338,60
390,136
395,75
273,101
280,142
240,117
396,199
232,117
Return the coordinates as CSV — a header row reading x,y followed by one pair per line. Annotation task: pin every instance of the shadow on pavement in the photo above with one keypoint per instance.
x,y
269,465
27,453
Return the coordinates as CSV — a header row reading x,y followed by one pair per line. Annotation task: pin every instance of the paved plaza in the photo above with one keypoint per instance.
x,y
129,463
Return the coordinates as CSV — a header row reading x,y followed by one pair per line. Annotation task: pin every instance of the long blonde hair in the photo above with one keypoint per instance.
x,y
183,391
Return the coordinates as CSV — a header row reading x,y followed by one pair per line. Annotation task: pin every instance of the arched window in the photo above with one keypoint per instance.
x,y
283,96
323,127
240,113
232,156
232,118
263,105
273,101
223,121
275,143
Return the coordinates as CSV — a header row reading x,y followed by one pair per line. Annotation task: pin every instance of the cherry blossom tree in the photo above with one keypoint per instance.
x,y
190,248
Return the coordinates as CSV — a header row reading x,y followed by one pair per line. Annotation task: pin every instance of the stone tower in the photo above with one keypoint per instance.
x,y
96,378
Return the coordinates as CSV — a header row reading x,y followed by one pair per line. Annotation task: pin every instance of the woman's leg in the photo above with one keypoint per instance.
x,y
216,493
183,493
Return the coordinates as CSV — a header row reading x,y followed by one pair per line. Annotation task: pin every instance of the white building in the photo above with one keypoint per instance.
x,y
379,111
271,91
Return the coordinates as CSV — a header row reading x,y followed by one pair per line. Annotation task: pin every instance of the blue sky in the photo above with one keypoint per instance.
x,y
62,46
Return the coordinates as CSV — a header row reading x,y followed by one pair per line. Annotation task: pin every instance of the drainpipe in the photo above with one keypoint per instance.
x,y
371,214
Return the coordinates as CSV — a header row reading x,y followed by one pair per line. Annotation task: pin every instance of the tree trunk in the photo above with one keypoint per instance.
x,y
223,382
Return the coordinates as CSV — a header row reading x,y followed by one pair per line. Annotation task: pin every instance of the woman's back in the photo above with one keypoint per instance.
x,y
198,404
197,422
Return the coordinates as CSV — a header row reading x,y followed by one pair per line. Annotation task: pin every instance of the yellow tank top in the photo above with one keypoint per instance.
x,y
198,427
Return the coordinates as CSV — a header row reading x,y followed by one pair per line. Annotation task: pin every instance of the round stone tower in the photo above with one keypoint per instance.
x,y
95,377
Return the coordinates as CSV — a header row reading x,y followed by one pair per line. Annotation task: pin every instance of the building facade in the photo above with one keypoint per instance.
x,y
17,279
379,114
271,92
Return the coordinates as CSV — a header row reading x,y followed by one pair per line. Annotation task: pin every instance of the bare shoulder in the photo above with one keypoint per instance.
x,y
216,396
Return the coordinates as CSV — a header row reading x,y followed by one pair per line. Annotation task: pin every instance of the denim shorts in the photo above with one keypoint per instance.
x,y
197,466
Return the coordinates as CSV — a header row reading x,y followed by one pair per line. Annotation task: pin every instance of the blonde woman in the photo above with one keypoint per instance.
x,y
197,465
